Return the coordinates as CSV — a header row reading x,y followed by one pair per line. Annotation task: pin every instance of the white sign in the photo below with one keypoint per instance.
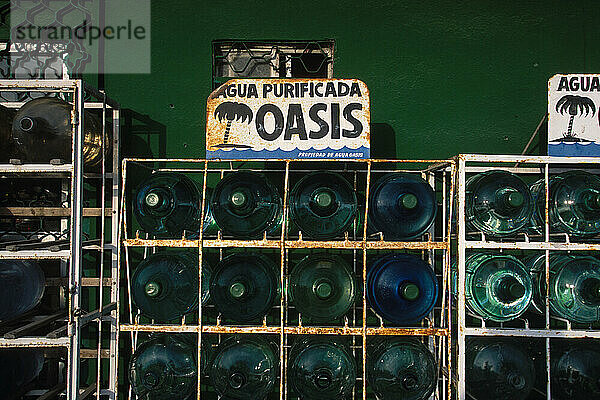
x,y
574,115
288,119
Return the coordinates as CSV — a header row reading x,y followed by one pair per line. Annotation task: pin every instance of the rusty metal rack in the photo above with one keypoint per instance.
x,y
360,325
61,248
544,331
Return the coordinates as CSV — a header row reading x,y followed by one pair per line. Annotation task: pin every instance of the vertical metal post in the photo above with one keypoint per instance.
x,y
547,273
282,299
200,259
76,250
364,281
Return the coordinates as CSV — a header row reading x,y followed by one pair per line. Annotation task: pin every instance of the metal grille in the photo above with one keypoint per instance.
x,y
284,323
271,59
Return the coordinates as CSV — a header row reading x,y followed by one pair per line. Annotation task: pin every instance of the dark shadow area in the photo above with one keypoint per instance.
x,y
383,141
142,137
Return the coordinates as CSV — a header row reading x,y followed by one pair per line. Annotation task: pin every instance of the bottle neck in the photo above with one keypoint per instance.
x,y
323,289
34,125
590,291
515,380
509,198
323,202
591,200
510,289
237,380
409,291
240,201
151,380
409,381
153,289
323,379
238,290
158,200
407,201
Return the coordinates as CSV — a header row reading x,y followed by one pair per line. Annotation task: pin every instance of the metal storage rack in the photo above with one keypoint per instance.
x,y
60,334
552,328
362,322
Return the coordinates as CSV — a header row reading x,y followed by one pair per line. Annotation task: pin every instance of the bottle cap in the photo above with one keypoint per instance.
x,y
26,124
408,201
409,382
409,291
238,199
515,380
152,199
323,379
237,380
323,290
323,199
152,289
237,290
515,199
151,380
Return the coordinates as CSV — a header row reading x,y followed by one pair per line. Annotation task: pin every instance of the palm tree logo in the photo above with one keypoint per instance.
x,y
574,105
231,111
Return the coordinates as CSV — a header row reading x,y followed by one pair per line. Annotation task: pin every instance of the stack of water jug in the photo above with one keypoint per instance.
x,y
322,286
503,287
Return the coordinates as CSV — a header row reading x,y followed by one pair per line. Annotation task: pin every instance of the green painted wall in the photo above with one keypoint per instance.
x,y
445,76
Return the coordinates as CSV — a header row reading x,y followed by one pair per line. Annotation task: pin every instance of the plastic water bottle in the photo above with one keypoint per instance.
x,y
22,285
574,286
245,204
164,368
498,287
323,205
167,204
244,367
244,286
498,370
165,285
401,288
322,288
42,130
573,203
575,370
401,368
402,206
321,368
498,203
20,367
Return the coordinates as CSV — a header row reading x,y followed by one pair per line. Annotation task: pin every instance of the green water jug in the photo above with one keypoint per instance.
x,y
321,368
165,285
575,370
245,368
498,287
244,286
323,205
322,287
498,369
497,203
19,367
401,369
245,204
574,286
573,204
164,368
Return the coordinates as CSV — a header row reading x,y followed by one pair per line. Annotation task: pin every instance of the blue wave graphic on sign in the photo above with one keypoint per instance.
x,y
574,149
343,153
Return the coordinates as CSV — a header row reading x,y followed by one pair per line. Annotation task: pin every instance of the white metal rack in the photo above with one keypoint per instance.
x,y
63,330
553,328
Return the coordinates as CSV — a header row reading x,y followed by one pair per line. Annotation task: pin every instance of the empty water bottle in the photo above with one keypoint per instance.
x,y
322,288
573,204
19,367
401,288
401,368
245,204
42,130
244,368
498,287
22,285
574,286
575,371
323,205
244,286
321,369
498,203
402,206
498,370
165,285
164,368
